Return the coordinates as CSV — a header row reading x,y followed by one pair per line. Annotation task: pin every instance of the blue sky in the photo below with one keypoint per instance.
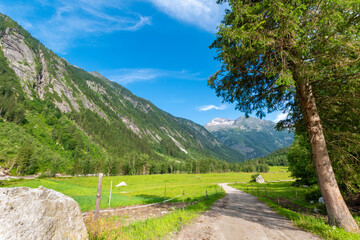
x,y
158,49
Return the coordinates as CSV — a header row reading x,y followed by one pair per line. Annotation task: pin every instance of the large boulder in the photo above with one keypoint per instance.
x,y
259,179
41,213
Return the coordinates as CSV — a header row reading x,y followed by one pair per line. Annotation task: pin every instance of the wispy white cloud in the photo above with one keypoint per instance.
x,y
202,13
280,116
210,107
126,76
72,20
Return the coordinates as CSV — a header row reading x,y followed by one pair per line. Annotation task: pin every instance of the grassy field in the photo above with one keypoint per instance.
x,y
290,202
151,188
146,189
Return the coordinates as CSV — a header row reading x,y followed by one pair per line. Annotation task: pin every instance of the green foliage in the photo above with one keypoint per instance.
x,y
254,176
276,158
26,154
339,108
300,163
24,157
302,167
312,193
269,48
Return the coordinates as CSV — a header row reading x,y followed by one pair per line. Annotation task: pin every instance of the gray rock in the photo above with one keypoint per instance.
x,y
42,213
321,200
259,179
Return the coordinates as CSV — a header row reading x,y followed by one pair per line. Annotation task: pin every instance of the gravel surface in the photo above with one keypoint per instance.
x,y
241,216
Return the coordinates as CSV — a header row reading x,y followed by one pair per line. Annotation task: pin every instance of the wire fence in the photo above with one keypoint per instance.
x,y
135,207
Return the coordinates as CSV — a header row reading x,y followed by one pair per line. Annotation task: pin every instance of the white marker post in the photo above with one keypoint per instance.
x,y
110,193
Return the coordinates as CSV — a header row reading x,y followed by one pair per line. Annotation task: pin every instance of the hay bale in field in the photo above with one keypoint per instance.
x,y
41,213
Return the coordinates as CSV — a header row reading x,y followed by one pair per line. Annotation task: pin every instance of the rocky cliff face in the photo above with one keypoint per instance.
x,y
40,76
83,97
251,137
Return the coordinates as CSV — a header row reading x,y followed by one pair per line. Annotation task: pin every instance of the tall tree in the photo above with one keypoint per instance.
x,y
273,54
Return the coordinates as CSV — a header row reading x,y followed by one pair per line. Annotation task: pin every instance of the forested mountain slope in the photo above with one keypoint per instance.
x,y
251,137
84,122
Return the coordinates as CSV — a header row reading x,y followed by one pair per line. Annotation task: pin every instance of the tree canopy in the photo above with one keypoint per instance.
x,y
291,56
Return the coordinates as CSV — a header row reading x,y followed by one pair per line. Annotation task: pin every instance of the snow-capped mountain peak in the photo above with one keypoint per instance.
x,y
219,123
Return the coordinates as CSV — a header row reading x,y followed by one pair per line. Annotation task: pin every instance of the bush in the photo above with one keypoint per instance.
x,y
46,175
313,193
254,176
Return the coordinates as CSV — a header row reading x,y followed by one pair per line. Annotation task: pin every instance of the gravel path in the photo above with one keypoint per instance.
x,y
241,216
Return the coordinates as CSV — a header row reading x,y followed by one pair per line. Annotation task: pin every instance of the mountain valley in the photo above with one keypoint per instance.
x,y
84,122
63,119
251,137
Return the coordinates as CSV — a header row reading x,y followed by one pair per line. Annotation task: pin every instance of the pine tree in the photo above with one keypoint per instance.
x,y
274,54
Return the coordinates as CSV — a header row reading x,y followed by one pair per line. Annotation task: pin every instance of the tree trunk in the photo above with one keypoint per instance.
x,y
338,212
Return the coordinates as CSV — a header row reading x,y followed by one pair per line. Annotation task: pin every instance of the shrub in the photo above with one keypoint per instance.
x,y
313,193
254,176
46,175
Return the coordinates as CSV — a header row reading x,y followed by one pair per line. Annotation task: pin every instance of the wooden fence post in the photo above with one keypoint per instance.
x,y
183,204
296,194
98,197
110,193
206,196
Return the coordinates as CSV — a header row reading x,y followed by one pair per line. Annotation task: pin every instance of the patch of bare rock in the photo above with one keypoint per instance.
x,y
259,179
41,213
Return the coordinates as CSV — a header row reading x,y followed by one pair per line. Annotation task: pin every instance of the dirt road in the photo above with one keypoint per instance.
x,y
242,216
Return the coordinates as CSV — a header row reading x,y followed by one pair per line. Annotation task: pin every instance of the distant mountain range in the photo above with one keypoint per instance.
x,y
84,122
251,137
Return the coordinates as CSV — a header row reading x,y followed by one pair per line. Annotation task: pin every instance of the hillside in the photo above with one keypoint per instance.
x,y
251,137
74,121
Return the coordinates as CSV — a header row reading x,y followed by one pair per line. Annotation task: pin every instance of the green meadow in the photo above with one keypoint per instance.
x,y
143,189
